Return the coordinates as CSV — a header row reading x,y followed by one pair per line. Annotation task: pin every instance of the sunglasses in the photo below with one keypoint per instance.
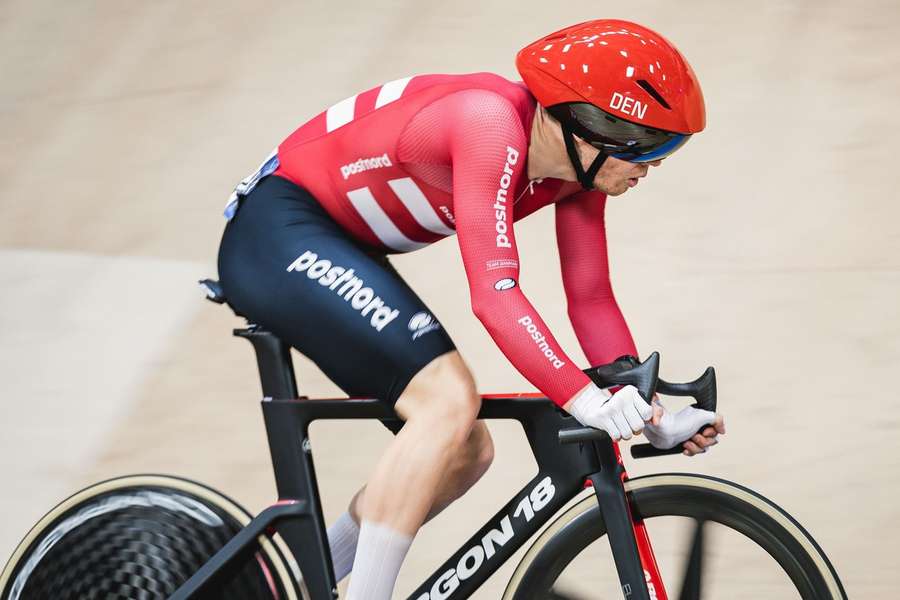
x,y
616,137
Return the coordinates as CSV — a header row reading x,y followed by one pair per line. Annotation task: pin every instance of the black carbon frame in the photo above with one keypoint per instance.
x,y
287,418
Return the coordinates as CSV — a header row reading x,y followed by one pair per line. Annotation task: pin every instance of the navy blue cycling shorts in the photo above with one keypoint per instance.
x,y
288,267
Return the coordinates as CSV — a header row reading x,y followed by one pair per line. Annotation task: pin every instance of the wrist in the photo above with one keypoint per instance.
x,y
590,396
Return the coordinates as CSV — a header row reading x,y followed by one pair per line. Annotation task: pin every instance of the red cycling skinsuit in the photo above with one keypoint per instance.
x,y
418,159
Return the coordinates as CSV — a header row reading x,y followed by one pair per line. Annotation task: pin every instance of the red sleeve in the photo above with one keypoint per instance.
x,y
488,148
596,318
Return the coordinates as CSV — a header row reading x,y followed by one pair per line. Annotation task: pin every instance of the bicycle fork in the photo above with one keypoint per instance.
x,y
628,539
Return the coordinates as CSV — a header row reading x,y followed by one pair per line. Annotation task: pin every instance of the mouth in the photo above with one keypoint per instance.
x,y
633,181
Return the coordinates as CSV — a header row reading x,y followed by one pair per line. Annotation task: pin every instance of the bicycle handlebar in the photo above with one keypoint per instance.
x,y
702,389
627,370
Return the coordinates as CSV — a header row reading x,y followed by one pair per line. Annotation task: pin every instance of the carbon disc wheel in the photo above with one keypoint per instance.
x,y
712,539
140,537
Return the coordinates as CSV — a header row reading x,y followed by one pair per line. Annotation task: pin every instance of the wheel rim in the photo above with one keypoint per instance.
x,y
665,486
122,489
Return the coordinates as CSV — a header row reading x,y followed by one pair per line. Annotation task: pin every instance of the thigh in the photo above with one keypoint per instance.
x,y
285,265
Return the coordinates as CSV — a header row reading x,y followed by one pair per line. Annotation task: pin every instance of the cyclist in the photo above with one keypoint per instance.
x,y
405,164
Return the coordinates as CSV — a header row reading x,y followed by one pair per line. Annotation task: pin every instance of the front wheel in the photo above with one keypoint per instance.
x,y
141,537
753,549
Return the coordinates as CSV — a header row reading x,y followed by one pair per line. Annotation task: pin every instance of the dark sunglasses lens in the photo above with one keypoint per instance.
x,y
660,152
618,137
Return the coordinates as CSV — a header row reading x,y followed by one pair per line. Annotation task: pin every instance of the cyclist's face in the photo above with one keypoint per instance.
x,y
616,176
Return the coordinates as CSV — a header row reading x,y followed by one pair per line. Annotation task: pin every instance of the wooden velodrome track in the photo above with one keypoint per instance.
x,y
770,245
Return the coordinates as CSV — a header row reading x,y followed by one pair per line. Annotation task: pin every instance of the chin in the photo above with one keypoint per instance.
x,y
612,190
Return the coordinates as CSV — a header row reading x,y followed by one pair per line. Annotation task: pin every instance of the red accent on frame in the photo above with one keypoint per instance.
x,y
645,549
484,396
270,581
648,560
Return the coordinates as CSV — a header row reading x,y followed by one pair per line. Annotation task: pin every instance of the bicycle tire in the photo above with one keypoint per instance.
x,y
685,495
141,537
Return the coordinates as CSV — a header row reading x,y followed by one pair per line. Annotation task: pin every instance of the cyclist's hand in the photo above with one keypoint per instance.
x,y
668,429
621,415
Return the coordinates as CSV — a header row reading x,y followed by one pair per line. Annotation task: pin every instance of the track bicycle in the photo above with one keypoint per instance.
x,y
157,536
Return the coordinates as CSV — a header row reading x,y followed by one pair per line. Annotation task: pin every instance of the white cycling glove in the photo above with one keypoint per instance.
x,y
674,429
620,415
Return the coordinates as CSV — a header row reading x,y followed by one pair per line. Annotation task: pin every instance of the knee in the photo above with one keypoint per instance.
x,y
444,394
460,402
454,408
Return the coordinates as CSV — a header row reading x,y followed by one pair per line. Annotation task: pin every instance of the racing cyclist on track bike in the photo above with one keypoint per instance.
x,y
407,163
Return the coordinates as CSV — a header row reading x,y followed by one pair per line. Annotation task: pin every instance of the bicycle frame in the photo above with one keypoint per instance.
x,y
563,472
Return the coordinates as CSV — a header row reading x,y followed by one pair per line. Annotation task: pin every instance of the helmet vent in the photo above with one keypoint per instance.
x,y
652,91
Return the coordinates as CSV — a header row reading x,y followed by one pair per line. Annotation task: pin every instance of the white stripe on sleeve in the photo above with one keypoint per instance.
x,y
340,114
391,91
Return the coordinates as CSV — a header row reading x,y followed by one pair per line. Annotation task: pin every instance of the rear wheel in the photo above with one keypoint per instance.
x,y
140,537
712,539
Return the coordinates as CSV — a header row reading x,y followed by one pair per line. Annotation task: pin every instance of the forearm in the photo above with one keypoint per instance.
x,y
525,339
601,330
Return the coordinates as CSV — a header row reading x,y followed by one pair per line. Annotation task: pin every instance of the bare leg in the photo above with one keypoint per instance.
x,y
410,480
466,469
439,406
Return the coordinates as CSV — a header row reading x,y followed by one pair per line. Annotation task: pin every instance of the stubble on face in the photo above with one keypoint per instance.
x,y
618,178
614,176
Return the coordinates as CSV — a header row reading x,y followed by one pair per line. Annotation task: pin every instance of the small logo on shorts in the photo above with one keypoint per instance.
x,y
505,284
421,323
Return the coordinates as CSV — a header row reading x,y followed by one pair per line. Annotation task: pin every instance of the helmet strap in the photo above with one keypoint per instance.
x,y
585,178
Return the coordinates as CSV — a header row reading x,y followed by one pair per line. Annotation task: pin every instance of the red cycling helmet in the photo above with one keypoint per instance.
x,y
621,87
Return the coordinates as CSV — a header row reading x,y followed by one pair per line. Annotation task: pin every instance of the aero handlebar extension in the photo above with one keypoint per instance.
x,y
627,370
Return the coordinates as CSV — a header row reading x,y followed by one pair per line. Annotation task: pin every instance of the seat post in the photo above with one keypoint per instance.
x,y
273,357
295,474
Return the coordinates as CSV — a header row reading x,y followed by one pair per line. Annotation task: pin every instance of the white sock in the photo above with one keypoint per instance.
x,y
380,553
342,538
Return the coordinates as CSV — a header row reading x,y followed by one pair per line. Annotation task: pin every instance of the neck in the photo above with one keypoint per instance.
x,y
547,151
